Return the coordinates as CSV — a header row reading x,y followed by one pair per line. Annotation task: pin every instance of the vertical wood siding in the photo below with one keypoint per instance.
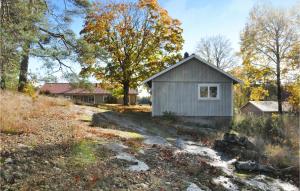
x,y
177,91
251,109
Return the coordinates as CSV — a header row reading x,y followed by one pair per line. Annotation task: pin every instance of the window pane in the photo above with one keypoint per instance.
x,y
203,91
213,91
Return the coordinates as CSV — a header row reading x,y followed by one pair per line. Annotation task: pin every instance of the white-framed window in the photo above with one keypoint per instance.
x,y
208,91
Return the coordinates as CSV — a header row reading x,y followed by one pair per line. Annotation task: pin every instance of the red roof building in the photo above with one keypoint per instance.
x,y
94,95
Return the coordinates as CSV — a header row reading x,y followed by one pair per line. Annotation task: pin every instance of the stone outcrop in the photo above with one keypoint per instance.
x,y
237,147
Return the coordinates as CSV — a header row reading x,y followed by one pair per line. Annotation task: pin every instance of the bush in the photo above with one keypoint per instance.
x,y
274,129
281,156
110,99
169,115
144,100
31,91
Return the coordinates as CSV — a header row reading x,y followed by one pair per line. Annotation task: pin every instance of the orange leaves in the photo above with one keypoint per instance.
x,y
152,4
131,33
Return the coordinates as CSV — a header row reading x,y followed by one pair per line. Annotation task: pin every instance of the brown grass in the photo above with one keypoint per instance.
x,y
281,156
18,110
126,109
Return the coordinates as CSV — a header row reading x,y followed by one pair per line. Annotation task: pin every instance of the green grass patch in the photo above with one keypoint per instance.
x,y
83,153
87,152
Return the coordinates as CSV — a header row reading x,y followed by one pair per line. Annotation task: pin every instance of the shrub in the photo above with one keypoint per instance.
x,y
144,100
31,91
281,156
273,129
169,115
110,99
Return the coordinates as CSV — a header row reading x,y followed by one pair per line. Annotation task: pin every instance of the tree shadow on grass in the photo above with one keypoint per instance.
x,y
170,128
59,166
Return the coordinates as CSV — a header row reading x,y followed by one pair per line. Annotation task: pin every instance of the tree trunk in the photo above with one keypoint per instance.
x,y
24,68
2,65
2,75
278,76
125,93
279,98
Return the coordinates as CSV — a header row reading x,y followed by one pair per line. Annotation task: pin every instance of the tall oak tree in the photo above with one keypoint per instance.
x,y
140,39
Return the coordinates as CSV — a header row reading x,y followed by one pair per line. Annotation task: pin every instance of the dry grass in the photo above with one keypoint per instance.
x,y
130,108
17,111
282,157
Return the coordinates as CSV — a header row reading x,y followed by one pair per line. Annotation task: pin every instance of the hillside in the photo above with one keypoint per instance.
x,y
52,144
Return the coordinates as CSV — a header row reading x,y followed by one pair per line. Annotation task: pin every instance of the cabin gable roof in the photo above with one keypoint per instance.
x,y
235,80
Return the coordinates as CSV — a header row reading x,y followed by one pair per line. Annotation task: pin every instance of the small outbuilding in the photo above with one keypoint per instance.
x,y
192,87
264,107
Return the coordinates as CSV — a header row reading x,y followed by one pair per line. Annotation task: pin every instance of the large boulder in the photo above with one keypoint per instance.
x,y
254,167
237,147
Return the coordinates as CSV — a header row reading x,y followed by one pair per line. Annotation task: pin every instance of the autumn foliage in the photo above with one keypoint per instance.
x,y
140,39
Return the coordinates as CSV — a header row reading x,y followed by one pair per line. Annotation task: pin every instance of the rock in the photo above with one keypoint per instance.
x,y
144,186
225,182
116,147
8,161
234,146
231,138
57,169
264,183
141,151
156,140
252,166
20,145
180,143
193,187
136,165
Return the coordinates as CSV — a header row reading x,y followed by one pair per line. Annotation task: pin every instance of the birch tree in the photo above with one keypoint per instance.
x,y
270,38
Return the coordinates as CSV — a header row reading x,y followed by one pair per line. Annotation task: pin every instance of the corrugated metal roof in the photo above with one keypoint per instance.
x,y
270,106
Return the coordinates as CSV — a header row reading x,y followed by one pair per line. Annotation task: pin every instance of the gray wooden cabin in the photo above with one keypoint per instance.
x,y
192,87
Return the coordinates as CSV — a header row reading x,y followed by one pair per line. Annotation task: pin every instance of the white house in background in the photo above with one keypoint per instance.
x,y
192,87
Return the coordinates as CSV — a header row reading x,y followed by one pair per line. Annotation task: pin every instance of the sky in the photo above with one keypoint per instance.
x,y
203,18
